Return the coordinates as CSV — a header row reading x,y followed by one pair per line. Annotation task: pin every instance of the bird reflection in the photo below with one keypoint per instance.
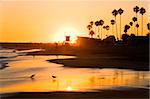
x,y
55,82
115,77
102,78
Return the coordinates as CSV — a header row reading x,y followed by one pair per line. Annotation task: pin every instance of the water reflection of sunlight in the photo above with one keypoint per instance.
x,y
68,79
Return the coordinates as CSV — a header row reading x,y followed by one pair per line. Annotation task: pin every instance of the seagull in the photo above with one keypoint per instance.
x,y
53,76
32,76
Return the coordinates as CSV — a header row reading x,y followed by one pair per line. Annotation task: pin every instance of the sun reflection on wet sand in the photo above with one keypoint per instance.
x,y
16,77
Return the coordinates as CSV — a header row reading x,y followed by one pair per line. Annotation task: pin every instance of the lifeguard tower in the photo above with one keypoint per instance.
x,y
67,41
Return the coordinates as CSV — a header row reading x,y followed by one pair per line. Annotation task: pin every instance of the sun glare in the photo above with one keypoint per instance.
x,y
62,33
69,88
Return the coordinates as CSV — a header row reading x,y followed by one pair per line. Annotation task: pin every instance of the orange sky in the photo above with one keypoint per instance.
x,y
48,20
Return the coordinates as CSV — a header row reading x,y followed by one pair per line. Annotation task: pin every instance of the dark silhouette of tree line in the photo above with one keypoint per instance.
x,y
133,24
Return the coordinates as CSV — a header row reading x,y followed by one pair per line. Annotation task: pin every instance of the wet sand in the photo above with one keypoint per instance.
x,y
89,61
3,65
122,57
137,93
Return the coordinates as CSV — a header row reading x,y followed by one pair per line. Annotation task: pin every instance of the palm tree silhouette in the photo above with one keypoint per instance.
x,y
136,9
97,24
131,24
137,26
107,28
142,12
120,11
134,20
115,13
91,33
91,23
112,23
104,27
126,28
89,27
101,23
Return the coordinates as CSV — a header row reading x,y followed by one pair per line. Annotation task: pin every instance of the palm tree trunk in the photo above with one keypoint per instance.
x,y
116,29
101,32
134,28
95,30
89,33
98,33
142,26
131,30
137,22
107,33
112,29
137,31
120,27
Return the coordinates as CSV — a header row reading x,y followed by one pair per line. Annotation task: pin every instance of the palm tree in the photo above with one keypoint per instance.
x,y
91,23
112,23
107,28
134,20
104,27
91,33
136,9
120,11
137,26
97,24
142,12
89,27
101,23
126,28
115,13
131,24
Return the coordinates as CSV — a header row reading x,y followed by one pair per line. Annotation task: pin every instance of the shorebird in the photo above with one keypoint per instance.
x,y
53,76
32,76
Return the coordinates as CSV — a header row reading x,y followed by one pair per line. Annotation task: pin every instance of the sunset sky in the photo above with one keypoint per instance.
x,y
51,20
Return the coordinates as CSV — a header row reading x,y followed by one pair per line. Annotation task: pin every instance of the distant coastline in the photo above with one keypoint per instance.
x,y
111,56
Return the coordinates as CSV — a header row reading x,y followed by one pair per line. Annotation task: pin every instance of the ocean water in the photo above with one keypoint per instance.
x,y
16,77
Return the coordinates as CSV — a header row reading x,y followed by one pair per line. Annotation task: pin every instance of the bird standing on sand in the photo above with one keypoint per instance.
x,y
53,76
32,76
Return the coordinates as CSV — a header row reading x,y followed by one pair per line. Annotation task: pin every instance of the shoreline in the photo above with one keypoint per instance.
x,y
101,62
121,57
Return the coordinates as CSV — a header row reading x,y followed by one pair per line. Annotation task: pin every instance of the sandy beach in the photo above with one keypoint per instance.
x,y
90,61
97,60
74,49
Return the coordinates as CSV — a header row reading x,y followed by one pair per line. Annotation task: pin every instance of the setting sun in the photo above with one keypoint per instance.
x,y
74,49
69,88
63,32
